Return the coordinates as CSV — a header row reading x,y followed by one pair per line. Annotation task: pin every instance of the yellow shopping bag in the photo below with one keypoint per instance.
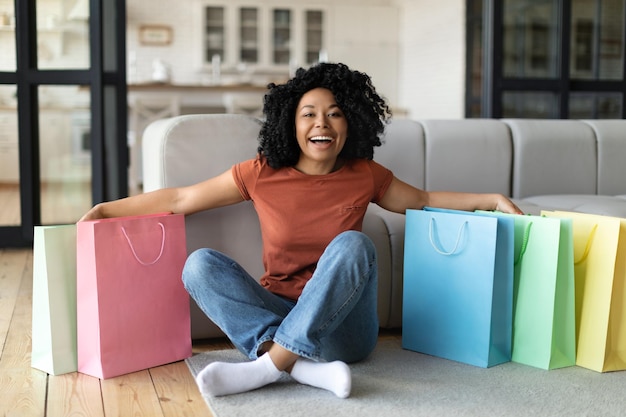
x,y
600,273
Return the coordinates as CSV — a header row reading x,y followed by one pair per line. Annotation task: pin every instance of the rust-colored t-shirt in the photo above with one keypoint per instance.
x,y
300,214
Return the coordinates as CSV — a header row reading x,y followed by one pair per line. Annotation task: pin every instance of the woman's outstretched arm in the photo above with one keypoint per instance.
x,y
215,192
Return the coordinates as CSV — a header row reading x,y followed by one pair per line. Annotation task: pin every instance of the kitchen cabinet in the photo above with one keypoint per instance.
x,y
268,36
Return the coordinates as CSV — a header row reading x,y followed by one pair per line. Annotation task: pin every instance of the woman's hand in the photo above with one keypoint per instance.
x,y
94,213
505,205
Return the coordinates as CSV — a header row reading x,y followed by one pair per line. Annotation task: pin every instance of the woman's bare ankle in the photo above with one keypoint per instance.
x,y
283,359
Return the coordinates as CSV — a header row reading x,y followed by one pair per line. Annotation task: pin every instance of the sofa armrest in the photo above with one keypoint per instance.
x,y
386,229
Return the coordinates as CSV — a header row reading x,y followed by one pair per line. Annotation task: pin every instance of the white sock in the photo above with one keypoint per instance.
x,y
222,378
332,376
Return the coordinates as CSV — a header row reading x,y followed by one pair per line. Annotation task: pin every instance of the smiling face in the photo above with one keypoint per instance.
x,y
321,131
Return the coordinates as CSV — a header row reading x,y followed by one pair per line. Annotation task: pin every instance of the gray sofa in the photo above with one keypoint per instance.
x,y
542,164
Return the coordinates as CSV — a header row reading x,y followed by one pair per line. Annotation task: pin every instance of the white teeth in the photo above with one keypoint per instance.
x,y
321,139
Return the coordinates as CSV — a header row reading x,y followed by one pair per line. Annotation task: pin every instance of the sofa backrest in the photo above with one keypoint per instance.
x,y
469,155
553,157
402,151
185,151
611,142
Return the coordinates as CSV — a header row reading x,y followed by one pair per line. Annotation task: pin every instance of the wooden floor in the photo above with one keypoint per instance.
x,y
164,391
26,392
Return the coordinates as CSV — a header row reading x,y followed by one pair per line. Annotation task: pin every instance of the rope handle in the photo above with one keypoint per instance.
x,y
524,243
588,246
130,244
456,245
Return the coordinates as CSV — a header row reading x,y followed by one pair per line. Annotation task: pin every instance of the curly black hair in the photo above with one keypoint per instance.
x,y
365,111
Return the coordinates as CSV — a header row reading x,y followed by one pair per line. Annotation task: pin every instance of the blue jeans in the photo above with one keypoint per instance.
x,y
335,317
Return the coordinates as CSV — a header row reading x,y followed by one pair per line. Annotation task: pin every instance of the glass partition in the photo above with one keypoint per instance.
x,y
65,149
63,34
531,34
530,105
595,106
597,40
9,159
7,35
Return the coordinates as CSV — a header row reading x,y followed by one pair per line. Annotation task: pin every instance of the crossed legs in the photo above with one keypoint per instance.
x,y
333,322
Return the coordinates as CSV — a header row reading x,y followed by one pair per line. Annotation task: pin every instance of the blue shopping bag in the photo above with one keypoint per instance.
x,y
458,286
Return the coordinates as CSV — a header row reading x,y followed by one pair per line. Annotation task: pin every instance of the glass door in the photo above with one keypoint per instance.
x,y
531,50
64,172
314,45
546,59
281,32
10,207
62,112
249,35
597,45
214,35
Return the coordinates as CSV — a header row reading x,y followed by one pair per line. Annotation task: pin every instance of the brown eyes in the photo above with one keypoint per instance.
x,y
334,114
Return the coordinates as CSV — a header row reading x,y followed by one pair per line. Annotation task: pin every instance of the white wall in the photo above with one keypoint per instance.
x,y
432,58
181,15
362,33
366,39
414,50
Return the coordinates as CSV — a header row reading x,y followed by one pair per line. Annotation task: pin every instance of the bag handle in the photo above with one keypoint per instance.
x,y
135,253
524,243
588,246
434,245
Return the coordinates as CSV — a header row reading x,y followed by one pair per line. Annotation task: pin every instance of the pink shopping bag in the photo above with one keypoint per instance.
x,y
132,308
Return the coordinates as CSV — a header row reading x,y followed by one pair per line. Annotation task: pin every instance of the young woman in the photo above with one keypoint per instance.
x,y
311,182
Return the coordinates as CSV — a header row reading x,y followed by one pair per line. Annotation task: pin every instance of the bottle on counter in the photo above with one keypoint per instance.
x,y
160,71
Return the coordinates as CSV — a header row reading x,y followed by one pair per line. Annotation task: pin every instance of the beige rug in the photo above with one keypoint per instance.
x,y
398,383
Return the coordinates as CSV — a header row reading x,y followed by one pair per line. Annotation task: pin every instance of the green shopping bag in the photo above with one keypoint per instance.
x,y
544,326
54,348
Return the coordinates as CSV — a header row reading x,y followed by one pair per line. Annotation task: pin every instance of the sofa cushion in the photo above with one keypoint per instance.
x,y
472,155
611,142
553,157
595,204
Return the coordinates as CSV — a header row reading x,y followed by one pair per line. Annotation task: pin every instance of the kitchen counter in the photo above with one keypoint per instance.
x,y
200,98
152,101
197,87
